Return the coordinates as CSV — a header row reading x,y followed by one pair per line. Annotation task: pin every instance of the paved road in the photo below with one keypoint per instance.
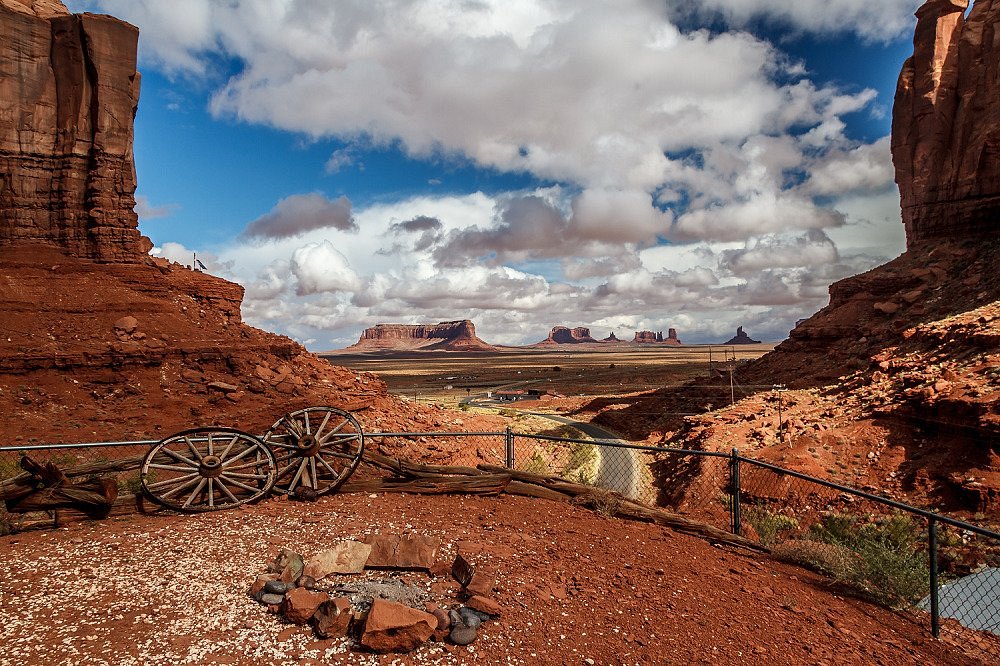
x,y
618,468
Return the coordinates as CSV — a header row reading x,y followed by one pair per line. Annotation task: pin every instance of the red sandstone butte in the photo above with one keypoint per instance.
x,y
562,335
445,336
70,89
946,123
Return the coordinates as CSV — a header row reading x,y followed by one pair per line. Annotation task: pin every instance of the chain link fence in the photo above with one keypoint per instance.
x,y
894,554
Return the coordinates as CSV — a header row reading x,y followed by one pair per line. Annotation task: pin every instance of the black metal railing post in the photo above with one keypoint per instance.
x,y
932,549
509,453
734,471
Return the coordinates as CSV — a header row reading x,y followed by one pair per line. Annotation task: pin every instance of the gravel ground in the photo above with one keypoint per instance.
x,y
167,589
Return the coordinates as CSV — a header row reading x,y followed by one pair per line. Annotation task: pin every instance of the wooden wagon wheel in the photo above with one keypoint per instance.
x,y
208,469
317,449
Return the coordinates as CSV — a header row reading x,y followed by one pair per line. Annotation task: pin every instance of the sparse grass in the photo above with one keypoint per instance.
x,y
582,464
536,464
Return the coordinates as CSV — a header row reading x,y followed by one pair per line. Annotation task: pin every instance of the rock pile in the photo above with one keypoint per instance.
x,y
347,592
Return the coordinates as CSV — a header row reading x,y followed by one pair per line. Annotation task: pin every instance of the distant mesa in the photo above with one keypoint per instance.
x,y
611,338
649,337
742,338
561,335
444,336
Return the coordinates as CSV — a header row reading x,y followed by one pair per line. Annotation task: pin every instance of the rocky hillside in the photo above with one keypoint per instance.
x,y
895,384
445,336
100,340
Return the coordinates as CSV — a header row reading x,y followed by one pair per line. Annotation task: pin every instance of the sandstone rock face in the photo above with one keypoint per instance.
x,y
946,123
741,338
562,335
68,95
611,338
644,337
447,335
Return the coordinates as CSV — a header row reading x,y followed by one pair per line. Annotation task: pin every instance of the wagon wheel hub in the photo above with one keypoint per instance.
x,y
210,467
308,445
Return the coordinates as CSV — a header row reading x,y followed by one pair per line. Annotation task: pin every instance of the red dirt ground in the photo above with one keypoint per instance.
x,y
574,585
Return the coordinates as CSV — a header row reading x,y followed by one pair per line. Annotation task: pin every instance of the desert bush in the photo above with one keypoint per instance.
x,y
886,562
604,502
768,525
537,464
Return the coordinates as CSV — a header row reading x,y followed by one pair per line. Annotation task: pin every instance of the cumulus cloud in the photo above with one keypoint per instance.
x,y
299,213
319,267
755,216
814,248
865,168
698,171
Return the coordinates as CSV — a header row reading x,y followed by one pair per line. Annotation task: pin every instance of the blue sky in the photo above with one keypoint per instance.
x,y
530,163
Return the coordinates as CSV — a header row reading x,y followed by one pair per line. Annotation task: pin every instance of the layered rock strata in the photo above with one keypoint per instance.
x,y
447,336
946,124
68,95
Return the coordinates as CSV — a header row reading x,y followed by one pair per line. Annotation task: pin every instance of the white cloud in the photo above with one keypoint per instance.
x,y
718,141
147,211
319,267
872,19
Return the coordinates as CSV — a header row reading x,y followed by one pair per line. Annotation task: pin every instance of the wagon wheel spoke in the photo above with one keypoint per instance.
x,y
316,448
187,471
239,484
226,491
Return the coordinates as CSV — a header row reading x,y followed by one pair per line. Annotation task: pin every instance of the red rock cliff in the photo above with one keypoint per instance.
x,y
946,123
447,335
68,95
562,335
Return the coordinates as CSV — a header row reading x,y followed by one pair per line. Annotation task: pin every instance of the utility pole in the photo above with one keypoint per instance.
x,y
781,424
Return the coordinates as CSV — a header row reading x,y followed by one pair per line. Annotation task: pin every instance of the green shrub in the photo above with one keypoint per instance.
x,y
888,564
769,526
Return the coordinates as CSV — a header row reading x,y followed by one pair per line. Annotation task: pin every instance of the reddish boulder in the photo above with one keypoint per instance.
x,y
484,605
402,552
393,627
347,557
300,604
333,618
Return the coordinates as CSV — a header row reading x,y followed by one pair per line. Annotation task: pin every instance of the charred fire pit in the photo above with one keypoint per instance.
x,y
388,594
